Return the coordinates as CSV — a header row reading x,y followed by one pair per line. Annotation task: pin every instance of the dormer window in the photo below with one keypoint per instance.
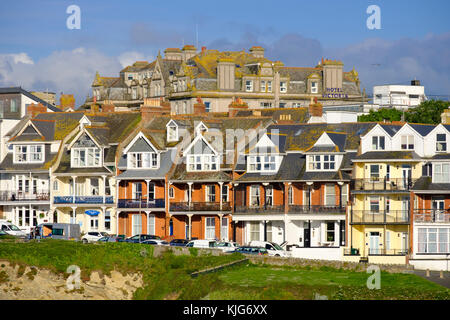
x,y
441,143
202,163
142,160
262,163
321,162
172,133
314,87
407,142
29,154
85,157
378,143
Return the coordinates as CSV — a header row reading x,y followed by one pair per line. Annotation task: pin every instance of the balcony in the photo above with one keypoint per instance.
x,y
40,195
381,217
432,215
266,209
317,209
387,252
199,206
141,203
83,200
386,184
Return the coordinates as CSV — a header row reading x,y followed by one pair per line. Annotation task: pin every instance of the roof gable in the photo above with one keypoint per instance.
x,y
200,146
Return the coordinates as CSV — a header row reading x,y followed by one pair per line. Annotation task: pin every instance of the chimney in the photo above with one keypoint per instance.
x,y
34,109
257,52
173,54
188,52
315,109
203,49
235,106
108,106
66,101
415,82
199,106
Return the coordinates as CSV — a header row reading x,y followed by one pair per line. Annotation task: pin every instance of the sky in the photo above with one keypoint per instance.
x,y
39,52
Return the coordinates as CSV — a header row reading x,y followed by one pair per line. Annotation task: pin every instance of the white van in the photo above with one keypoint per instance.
x,y
272,248
11,229
201,244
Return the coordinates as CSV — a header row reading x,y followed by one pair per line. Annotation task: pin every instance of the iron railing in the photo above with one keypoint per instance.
x,y
199,206
40,195
379,217
383,184
140,203
432,215
259,209
316,209
387,252
83,200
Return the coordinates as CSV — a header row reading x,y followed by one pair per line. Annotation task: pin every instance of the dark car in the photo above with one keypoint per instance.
x,y
139,238
179,242
251,250
156,242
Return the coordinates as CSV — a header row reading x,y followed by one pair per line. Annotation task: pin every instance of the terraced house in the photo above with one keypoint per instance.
x,y
25,172
292,186
183,75
393,164
83,178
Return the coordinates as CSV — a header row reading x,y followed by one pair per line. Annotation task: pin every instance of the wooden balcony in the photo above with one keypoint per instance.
x,y
199,206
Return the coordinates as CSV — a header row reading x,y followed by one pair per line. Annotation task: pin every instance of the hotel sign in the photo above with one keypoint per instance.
x,y
334,93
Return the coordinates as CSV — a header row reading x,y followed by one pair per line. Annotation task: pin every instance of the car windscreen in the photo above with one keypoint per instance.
x,y
276,246
223,244
13,227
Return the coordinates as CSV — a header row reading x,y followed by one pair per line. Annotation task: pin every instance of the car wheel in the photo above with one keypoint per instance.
x,y
277,255
84,241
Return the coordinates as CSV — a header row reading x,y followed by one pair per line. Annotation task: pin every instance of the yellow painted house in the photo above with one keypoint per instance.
x,y
379,216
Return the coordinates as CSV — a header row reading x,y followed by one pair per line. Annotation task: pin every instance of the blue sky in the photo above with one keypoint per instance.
x,y
38,52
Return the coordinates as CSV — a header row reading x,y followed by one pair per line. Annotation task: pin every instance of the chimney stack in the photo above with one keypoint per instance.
x,y
34,109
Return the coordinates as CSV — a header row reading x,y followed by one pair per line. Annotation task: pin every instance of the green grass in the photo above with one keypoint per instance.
x,y
268,282
168,276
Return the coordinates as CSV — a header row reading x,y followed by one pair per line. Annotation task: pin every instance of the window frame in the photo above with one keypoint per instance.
x,y
76,158
28,153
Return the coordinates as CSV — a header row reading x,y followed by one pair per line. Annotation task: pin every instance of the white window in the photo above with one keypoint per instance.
x,y
330,232
108,220
262,163
137,190
94,223
434,240
138,160
29,154
202,163
172,133
171,193
344,195
291,195
283,86
249,85
378,143
328,162
330,192
151,224
441,173
374,172
441,143
314,87
211,193
224,230
322,162
210,232
269,196
134,93
254,230
254,196
269,86
225,193
55,185
136,224
266,104
407,142
85,157
374,204
388,240
263,86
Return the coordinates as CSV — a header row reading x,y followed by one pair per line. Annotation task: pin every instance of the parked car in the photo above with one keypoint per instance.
x,y
11,229
201,244
156,242
93,236
251,250
139,238
179,242
272,248
109,239
226,246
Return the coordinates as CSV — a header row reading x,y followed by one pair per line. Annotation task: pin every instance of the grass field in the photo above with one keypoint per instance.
x,y
169,275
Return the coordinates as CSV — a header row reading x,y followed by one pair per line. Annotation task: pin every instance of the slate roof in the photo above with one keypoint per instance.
x,y
29,95
166,161
425,184
7,164
180,174
383,155
65,168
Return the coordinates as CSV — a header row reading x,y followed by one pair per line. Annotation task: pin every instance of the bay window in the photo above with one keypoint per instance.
x,y
441,173
434,240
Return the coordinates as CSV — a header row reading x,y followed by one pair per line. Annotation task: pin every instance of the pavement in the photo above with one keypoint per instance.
x,y
435,277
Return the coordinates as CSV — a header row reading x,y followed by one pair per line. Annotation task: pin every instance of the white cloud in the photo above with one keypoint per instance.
x,y
130,57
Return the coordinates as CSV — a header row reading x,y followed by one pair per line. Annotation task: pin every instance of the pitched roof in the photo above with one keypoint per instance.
x,y
29,95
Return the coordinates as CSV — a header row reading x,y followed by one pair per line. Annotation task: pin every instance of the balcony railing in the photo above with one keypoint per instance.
x,y
140,203
258,209
386,184
315,209
83,200
40,195
199,206
432,215
381,217
387,252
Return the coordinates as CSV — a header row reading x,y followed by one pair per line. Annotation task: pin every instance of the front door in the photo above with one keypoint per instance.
x,y
438,208
307,235
374,243
405,242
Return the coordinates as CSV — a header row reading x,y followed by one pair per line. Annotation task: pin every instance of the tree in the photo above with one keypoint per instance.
x,y
427,112
381,115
